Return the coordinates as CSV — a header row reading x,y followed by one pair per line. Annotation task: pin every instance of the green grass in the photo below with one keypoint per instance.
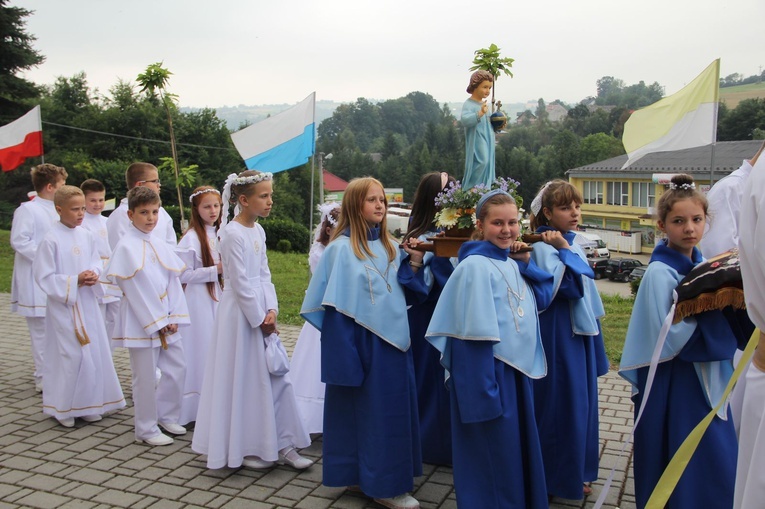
x,y
6,261
743,88
618,311
290,275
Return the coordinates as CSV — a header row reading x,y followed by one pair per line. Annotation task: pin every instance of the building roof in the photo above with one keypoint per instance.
x,y
333,182
728,157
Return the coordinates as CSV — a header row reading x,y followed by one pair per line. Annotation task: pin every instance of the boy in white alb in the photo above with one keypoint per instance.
x,y
80,380
31,221
95,223
140,175
147,271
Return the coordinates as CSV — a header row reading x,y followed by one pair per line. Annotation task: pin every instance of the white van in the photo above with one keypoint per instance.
x,y
593,245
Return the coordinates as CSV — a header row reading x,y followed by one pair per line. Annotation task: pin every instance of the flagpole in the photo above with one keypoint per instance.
x,y
714,129
310,226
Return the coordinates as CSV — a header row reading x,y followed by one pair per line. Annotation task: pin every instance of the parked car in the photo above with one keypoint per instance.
x,y
598,266
593,245
637,273
620,268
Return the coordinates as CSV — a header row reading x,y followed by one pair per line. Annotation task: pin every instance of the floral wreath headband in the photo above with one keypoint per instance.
x,y
235,180
685,187
203,191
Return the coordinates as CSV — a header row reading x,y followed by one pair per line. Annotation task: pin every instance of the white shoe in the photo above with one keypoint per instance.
x,y
91,418
160,439
38,386
172,428
68,422
257,463
293,459
405,501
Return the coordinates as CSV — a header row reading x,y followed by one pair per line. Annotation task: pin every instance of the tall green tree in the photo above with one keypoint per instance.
x,y
489,59
16,55
154,81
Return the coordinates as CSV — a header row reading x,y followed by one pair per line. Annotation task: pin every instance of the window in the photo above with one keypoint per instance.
x,y
593,192
643,194
618,193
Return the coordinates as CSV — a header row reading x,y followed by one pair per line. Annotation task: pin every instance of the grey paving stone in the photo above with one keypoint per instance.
x,y
42,500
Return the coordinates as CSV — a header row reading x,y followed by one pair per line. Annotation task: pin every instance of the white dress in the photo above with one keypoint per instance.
x,y
244,410
750,481
198,335
79,379
305,366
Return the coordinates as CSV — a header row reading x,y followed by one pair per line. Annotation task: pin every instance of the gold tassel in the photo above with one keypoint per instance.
x,y
82,338
162,340
720,299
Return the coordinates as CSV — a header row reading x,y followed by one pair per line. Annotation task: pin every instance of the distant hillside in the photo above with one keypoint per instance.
x,y
731,96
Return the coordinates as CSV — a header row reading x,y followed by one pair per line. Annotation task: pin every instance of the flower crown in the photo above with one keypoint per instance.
x,y
325,210
252,179
202,191
685,187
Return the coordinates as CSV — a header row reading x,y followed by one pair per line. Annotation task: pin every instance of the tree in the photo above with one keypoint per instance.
x,y
16,55
488,59
154,81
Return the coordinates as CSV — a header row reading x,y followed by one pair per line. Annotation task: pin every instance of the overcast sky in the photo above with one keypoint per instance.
x,y
230,52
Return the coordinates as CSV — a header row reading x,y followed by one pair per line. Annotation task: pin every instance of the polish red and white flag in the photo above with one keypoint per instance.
x,y
21,139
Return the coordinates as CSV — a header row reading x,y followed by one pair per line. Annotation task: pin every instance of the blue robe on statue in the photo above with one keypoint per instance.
x,y
566,400
491,350
422,291
694,368
479,146
371,433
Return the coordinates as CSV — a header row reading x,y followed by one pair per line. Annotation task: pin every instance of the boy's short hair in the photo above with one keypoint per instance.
x,y
136,172
66,193
92,186
46,173
142,196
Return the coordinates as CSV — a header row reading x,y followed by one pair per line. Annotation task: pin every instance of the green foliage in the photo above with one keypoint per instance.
x,y
16,56
6,261
614,325
290,276
614,92
634,286
741,122
280,229
284,246
488,59
175,214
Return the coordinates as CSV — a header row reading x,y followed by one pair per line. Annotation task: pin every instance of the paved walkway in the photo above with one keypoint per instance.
x,y
45,465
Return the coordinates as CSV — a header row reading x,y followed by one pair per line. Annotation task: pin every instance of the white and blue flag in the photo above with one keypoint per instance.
x,y
281,142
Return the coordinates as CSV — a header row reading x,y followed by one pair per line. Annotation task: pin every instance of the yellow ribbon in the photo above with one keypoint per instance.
x,y
682,457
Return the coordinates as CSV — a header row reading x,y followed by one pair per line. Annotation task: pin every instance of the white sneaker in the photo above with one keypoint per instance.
x,y
160,439
68,422
293,459
257,463
405,501
91,418
38,386
172,428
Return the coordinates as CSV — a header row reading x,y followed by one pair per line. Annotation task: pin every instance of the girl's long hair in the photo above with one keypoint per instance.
x,y
197,225
351,219
424,205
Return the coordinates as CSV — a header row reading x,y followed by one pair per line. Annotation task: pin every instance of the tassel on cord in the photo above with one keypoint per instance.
x,y
82,337
162,340
720,299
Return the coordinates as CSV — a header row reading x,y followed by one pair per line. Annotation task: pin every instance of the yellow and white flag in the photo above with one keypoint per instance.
x,y
685,119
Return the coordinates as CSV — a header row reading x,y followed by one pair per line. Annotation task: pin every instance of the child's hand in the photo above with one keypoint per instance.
x,y
171,328
220,267
515,255
269,324
87,278
555,239
414,255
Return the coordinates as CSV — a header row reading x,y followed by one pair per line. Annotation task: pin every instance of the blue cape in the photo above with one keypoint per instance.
x,y
356,288
474,307
652,305
586,311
